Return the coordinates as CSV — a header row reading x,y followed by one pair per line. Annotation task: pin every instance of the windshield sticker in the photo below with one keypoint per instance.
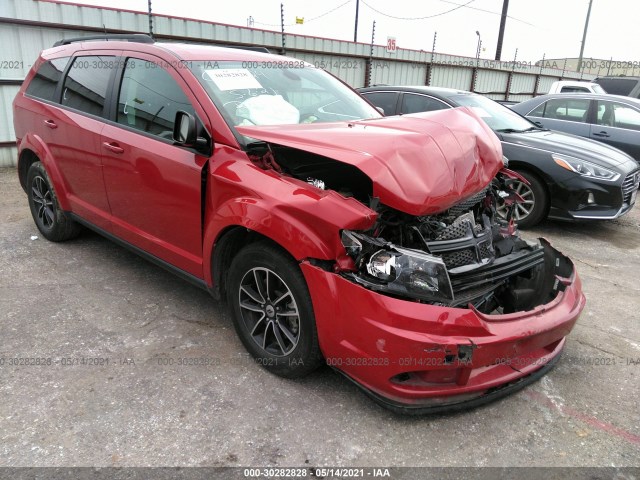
x,y
233,78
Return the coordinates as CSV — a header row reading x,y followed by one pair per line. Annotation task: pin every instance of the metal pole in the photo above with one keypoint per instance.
x,y
150,21
584,36
284,41
355,29
373,37
430,64
503,22
478,49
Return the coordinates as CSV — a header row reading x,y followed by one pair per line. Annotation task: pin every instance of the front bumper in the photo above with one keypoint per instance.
x,y
582,198
418,358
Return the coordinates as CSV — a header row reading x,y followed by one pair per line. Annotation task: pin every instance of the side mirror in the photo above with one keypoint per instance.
x,y
539,124
184,129
380,109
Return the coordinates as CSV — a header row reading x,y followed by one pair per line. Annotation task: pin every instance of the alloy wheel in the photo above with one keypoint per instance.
x,y
43,200
269,311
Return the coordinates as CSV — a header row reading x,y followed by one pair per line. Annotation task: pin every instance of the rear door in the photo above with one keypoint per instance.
x,y
75,131
618,124
569,115
154,187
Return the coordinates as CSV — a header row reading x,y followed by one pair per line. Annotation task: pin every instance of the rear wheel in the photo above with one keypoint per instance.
x,y
536,201
272,311
52,222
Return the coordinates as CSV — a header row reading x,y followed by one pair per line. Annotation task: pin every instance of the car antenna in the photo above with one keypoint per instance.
x,y
105,31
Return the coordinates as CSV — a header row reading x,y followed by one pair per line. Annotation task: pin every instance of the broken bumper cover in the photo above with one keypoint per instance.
x,y
420,358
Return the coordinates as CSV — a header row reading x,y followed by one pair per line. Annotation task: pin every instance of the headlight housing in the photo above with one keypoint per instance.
x,y
584,168
399,271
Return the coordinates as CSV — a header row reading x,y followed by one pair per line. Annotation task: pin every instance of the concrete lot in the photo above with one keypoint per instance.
x,y
91,298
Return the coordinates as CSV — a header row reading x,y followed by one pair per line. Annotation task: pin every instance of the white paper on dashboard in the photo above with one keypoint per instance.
x,y
233,78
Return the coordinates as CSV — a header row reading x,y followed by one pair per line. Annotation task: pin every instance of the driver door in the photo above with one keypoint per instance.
x,y
153,187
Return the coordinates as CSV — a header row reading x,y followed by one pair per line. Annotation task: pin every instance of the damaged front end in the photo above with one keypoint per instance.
x,y
435,302
466,256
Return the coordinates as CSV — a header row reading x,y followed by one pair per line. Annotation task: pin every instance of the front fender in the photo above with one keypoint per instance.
x,y
302,219
35,144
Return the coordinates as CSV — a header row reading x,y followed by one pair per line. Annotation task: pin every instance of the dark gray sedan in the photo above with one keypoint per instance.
x,y
567,177
611,119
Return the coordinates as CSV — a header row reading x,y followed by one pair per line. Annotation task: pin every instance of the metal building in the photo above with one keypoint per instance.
x,y
29,26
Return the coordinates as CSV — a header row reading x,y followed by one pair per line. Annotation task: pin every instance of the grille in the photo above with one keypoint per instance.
x,y
630,185
459,258
466,205
454,231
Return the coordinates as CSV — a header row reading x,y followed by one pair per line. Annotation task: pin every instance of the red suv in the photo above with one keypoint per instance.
x,y
335,235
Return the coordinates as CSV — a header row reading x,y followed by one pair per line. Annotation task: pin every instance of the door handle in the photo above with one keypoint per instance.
x,y
602,134
114,147
51,124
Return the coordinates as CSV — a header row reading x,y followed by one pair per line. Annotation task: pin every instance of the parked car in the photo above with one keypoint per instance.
x,y
571,86
622,85
334,234
609,119
564,176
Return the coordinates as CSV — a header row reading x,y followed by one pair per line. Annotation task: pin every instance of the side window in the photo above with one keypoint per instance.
x,y
538,111
574,90
149,98
412,103
571,109
85,86
385,100
618,115
43,85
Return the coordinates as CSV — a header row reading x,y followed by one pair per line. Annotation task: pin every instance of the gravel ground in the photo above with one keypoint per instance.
x,y
89,298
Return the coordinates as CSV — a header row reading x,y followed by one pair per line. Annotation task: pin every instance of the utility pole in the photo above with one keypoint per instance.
x,y
370,62
150,21
584,36
503,22
284,41
355,30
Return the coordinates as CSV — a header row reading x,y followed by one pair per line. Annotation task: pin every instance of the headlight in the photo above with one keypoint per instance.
x,y
399,271
585,168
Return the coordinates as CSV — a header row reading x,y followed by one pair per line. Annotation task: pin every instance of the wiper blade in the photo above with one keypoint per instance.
x,y
513,130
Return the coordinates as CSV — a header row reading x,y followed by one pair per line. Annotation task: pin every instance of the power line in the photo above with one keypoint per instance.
x,y
418,18
488,11
309,20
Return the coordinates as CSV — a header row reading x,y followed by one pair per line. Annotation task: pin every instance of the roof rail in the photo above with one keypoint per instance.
x,y
135,37
243,47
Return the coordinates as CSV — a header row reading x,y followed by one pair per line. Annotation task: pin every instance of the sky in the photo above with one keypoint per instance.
x,y
535,27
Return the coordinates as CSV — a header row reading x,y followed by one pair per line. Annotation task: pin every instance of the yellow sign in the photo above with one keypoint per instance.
x,y
300,20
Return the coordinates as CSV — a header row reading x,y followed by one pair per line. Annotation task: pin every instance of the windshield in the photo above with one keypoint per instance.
x,y
278,93
498,117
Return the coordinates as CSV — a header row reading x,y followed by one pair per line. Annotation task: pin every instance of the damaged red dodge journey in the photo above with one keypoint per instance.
x,y
335,235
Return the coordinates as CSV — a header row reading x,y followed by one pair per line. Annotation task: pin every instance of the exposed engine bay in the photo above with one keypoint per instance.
x,y
466,256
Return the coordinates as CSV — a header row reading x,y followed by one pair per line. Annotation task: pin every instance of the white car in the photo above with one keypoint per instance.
x,y
569,86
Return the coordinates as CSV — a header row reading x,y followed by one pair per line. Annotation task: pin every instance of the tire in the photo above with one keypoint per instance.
x,y
53,223
536,205
284,343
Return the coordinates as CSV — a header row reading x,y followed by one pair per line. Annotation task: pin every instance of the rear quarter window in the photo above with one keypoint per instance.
x,y
44,83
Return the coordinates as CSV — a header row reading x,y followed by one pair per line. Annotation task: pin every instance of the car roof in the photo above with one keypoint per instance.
x,y
434,91
590,96
182,51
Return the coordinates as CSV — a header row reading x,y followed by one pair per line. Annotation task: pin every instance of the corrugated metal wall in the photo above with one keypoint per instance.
x,y
29,26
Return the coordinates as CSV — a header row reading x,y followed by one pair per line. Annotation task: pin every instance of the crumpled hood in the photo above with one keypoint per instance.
x,y
420,164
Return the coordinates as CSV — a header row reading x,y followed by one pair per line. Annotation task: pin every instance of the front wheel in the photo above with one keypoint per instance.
x,y
272,311
536,201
